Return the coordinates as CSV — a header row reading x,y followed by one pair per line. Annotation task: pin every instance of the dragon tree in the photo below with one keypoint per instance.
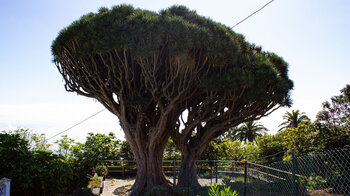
x,y
172,73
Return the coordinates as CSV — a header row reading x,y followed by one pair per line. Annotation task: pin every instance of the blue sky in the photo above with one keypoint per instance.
x,y
312,36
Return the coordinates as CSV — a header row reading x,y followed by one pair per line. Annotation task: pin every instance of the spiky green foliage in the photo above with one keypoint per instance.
x,y
249,131
176,34
292,119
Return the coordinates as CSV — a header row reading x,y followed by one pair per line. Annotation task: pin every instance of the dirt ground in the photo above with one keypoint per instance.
x,y
113,186
116,186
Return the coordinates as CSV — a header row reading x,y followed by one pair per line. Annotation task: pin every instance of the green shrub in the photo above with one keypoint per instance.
x,y
38,172
101,170
95,181
215,190
316,182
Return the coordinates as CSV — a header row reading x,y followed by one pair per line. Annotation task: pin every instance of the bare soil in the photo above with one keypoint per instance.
x,y
121,187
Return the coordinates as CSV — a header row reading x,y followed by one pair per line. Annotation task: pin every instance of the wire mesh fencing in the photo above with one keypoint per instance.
x,y
324,173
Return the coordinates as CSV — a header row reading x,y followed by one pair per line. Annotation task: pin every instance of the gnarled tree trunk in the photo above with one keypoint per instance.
x,y
150,171
188,170
148,145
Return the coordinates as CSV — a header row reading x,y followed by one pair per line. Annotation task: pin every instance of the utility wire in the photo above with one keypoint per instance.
x,y
252,14
77,124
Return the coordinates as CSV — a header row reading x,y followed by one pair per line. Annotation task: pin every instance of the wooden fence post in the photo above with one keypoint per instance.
x,y
174,181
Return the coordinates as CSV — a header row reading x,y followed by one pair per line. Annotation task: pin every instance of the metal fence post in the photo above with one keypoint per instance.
x,y
216,172
294,187
245,178
174,182
5,184
211,172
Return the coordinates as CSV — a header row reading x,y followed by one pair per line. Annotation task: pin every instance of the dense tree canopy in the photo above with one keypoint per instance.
x,y
151,68
337,112
333,121
33,169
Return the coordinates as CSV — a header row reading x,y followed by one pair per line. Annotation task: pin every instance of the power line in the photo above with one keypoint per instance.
x,y
252,14
77,123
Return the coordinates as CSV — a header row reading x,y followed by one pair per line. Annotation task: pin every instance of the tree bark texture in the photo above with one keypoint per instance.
x,y
150,171
188,170
148,147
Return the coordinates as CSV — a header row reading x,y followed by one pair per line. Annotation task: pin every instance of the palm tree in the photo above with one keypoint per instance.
x,y
249,131
293,119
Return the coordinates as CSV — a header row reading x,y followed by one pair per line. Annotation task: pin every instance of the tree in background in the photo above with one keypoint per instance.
x,y
234,150
85,156
332,125
301,138
215,150
293,119
170,151
33,171
249,131
270,148
36,142
125,151
150,68
65,145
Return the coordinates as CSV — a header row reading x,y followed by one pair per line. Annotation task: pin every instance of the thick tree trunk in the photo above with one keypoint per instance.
x,y
150,171
188,170
149,160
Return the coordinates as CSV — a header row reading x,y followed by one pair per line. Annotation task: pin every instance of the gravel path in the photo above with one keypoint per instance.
x,y
112,187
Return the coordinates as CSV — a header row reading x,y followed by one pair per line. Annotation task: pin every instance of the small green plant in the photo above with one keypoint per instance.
x,y
94,184
95,181
113,180
96,178
101,170
215,190
315,182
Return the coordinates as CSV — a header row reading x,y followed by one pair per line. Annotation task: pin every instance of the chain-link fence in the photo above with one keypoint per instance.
x,y
325,173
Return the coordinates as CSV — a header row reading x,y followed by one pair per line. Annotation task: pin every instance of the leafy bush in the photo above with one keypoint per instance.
x,y
101,170
315,182
215,190
37,172
95,181
85,156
